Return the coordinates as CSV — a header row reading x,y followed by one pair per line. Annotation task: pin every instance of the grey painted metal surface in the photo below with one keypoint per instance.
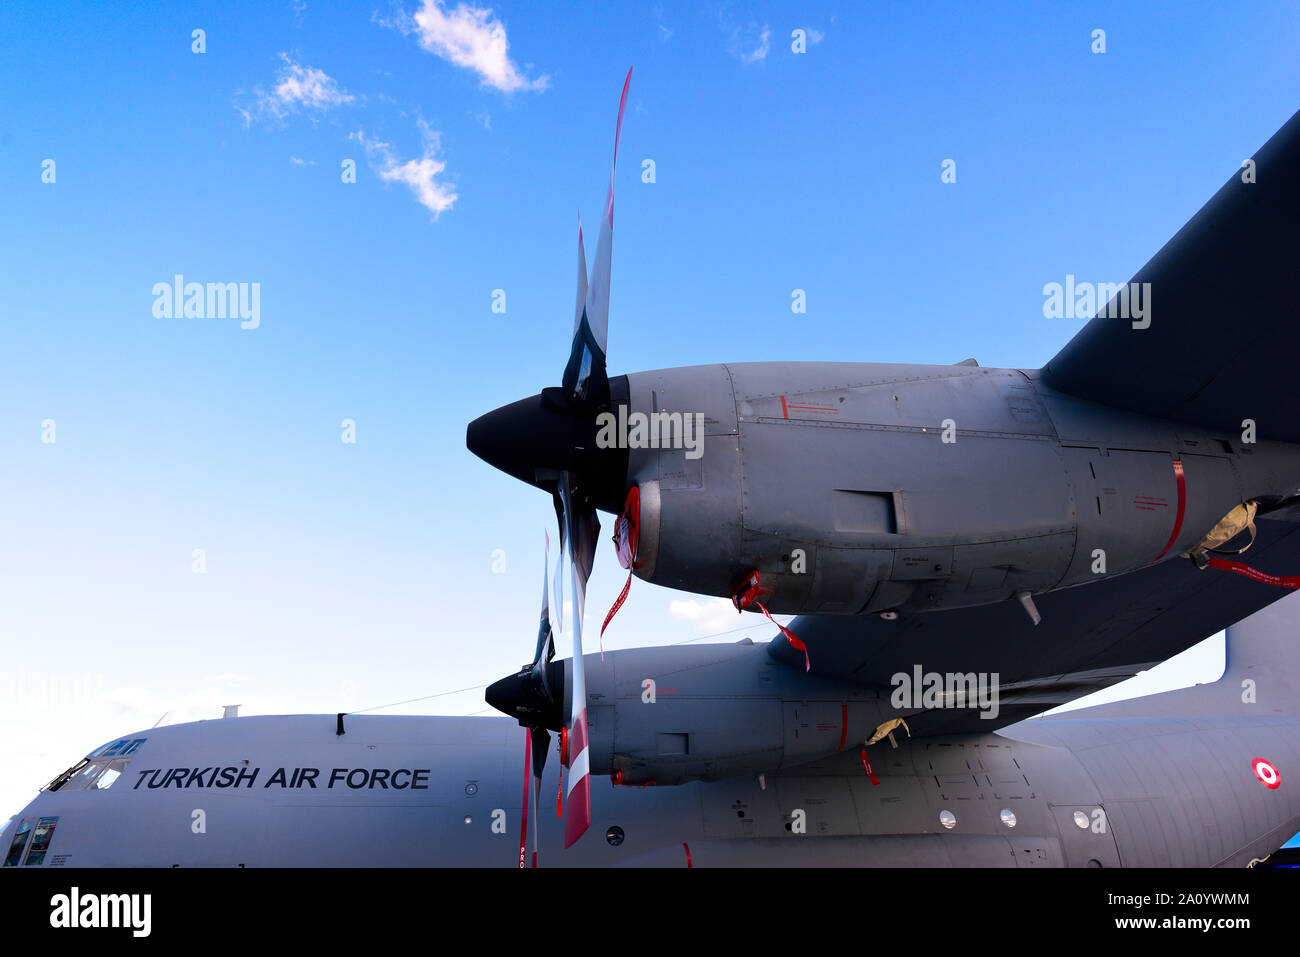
x,y
1157,781
865,487
855,488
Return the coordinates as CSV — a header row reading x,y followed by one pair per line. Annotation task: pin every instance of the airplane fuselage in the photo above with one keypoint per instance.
x,y
429,791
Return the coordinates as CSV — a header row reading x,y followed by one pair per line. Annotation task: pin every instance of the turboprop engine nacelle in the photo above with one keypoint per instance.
x,y
854,487
670,715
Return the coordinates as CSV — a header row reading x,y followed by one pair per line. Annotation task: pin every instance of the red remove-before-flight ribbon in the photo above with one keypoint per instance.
x,y
866,766
627,538
1254,574
748,594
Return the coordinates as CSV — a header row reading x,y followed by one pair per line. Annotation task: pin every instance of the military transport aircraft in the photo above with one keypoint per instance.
x,y
1024,522
755,763
892,724
857,488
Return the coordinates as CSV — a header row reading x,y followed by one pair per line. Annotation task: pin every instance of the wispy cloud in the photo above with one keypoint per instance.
x,y
714,617
759,52
297,89
665,32
709,616
468,36
420,176
748,44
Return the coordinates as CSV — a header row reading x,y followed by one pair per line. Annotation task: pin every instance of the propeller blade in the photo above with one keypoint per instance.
x,y
545,637
531,696
582,282
559,562
582,530
537,805
585,378
541,743
528,784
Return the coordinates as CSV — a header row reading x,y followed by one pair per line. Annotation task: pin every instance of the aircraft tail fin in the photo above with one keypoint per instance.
x,y
1262,675
1214,342
1264,649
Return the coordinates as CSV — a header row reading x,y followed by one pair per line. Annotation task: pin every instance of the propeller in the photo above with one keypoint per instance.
x,y
533,697
535,693
549,440
556,430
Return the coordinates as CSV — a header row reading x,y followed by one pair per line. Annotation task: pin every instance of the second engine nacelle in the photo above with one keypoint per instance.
x,y
670,715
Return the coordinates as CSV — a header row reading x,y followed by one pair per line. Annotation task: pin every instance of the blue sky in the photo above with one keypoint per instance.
x,y
344,576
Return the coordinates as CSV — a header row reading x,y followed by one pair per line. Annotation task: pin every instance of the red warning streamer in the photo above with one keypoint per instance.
x,y
627,538
1254,574
748,594
1182,508
866,766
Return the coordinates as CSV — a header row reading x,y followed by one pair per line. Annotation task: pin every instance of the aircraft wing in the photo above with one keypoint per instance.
x,y
1221,346
1090,636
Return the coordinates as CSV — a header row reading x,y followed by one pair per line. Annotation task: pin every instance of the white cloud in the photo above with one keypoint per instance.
x,y
709,616
418,175
307,86
665,33
717,616
297,88
471,37
748,44
759,52
814,36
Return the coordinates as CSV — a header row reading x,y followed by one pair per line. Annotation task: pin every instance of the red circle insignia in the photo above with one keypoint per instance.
x,y
1266,773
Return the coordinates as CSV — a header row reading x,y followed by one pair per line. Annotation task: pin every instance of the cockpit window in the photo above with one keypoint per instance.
x,y
41,837
15,853
96,775
82,779
112,771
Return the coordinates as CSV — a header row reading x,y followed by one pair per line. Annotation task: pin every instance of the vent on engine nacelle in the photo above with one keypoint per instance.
x,y
674,743
862,511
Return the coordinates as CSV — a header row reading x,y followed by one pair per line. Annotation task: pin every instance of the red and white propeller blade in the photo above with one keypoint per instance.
x,y
582,532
